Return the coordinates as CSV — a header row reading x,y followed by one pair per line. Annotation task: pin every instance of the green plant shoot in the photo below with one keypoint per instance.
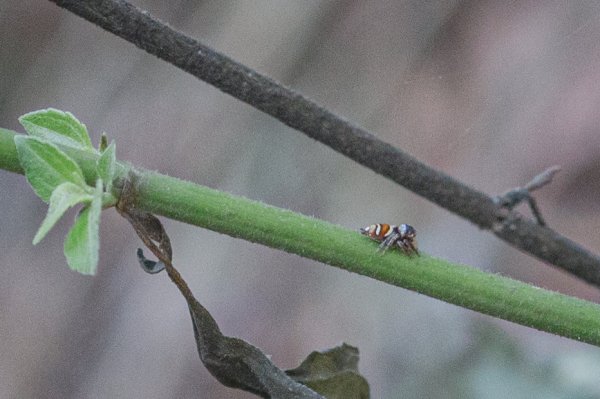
x,y
57,179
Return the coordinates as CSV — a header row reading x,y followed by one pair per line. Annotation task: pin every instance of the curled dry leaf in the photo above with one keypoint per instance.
x,y
232,361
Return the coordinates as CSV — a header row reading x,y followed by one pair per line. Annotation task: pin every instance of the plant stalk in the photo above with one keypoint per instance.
x,y
334,245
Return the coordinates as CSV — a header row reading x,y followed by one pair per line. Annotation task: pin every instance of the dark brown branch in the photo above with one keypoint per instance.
x,y
298,112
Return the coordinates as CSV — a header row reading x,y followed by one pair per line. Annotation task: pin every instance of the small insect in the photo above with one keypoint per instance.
x,y
389,235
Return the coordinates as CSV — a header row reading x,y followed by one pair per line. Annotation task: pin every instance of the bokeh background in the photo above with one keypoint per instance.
x,y
489,92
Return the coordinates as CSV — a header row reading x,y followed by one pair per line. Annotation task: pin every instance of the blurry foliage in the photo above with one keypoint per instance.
x,y
495,367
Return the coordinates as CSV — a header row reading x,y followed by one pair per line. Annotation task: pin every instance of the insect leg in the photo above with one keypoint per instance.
x,y
408,247
389,242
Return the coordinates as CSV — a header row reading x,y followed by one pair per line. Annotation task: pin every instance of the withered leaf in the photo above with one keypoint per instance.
x,y
333,373
232,361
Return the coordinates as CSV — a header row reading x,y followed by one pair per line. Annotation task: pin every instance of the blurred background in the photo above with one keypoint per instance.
x,y
489,92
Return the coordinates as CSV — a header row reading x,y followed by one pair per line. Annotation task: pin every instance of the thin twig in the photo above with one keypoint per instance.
x,y
298,112
542,179
537,214
515,196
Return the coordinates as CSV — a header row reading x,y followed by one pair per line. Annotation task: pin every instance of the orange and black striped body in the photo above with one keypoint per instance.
x,y
388,235
379,231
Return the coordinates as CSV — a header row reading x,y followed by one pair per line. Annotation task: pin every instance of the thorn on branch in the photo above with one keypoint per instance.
x,y
513,197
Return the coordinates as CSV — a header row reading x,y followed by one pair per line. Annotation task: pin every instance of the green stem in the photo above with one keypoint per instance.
x,y
337,246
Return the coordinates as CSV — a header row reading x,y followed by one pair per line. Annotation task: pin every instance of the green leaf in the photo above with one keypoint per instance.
x,y
46,167
83,241
58,127
63,197
106,166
